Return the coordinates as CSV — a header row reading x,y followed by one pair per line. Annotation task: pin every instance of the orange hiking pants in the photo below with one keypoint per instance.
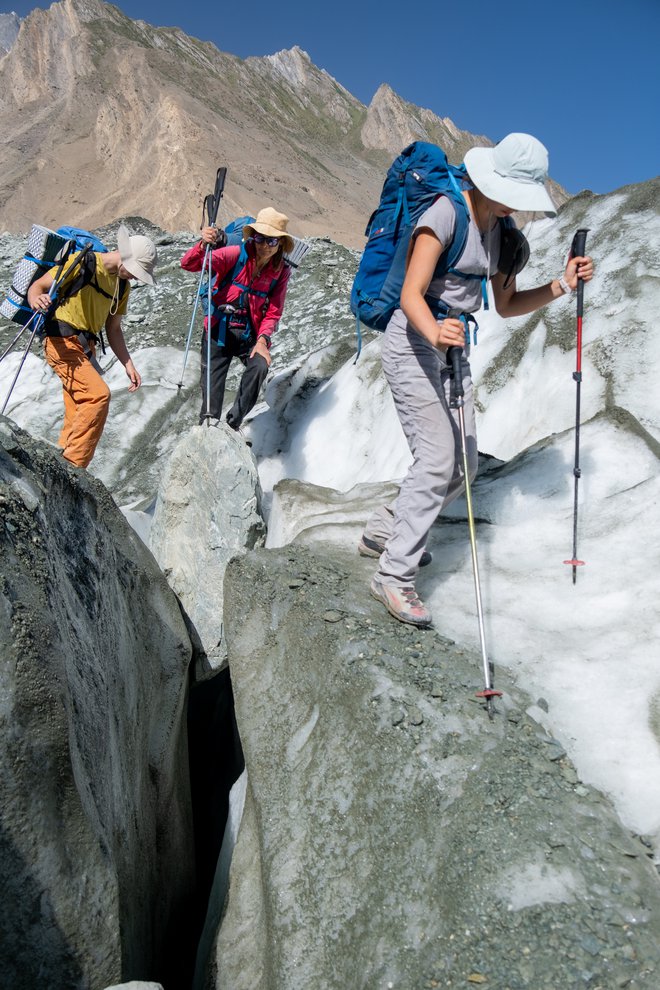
x,y
86,398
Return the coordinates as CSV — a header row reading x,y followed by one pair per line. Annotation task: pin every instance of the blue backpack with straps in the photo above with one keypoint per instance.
x,y
414,181
82,238
234,230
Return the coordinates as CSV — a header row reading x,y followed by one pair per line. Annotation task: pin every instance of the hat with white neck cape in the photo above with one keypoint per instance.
x,y
138,255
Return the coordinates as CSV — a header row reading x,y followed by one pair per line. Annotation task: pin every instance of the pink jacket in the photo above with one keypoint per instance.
x,y
265,313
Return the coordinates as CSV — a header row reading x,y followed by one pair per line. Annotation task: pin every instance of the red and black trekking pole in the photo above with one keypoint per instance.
x,y
578,248
454,360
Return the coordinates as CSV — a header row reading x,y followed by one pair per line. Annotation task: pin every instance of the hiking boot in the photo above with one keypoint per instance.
x,y
369,548
402,603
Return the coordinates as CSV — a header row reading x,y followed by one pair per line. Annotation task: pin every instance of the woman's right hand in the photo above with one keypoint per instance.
x,y
41,302
451,333
210,235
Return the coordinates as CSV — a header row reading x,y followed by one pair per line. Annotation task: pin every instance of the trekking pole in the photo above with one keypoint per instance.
x,y
208,341
37,316
18,336
38,319
578,248
454,358
210,214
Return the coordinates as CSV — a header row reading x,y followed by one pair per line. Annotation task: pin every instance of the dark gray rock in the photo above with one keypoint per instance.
x,y
378,850
96,857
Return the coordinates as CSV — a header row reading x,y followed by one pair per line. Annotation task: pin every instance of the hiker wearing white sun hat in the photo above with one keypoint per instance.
x,y
96,301
435,311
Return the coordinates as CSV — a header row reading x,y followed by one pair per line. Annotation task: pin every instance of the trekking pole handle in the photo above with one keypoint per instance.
x,y
207,208
454,356
220,178
578,247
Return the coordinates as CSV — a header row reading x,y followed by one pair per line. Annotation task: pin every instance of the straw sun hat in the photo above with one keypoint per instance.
x,y
270,223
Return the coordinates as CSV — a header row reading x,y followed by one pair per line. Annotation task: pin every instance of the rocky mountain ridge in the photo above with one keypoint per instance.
x,y
9,25
105,116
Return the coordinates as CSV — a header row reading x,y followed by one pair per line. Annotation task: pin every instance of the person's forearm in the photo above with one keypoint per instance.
x,y
40,287
193,259
529,300
416,310
118,344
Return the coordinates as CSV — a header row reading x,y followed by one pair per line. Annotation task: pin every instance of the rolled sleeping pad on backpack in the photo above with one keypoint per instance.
x,y
42,249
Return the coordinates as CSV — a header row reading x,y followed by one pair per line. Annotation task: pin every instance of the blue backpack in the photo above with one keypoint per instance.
x,y
82,238
414,181
234,230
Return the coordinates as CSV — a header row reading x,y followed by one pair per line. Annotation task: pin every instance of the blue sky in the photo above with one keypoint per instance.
x,y
583,77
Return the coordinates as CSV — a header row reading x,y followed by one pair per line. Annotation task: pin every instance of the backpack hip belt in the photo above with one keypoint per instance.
x,y
60,328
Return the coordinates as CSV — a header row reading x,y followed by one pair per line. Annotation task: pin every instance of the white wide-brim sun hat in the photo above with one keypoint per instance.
x,y
138,255
513,173
270,223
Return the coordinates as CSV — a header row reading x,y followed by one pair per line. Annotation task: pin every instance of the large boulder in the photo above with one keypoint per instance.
x,y
394,835
96,860
208,509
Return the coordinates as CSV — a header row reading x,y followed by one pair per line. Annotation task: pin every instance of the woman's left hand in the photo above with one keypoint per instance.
x,y
579,268
261,348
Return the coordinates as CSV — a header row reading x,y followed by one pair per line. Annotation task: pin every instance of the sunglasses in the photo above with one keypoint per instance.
x,y
262,239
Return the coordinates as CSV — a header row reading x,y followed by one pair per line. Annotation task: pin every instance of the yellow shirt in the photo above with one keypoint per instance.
x,y
89,309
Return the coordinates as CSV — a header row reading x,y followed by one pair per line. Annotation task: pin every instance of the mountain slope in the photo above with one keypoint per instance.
x,y
104,116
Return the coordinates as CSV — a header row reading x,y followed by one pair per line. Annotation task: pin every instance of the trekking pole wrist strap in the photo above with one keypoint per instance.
x,y
564,286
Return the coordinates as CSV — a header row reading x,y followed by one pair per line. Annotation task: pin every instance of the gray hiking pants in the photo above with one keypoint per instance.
x,y
418,376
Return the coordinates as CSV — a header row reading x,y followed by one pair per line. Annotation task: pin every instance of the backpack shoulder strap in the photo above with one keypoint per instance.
x,y
87,276
84,268
234,272
93,281
455,249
